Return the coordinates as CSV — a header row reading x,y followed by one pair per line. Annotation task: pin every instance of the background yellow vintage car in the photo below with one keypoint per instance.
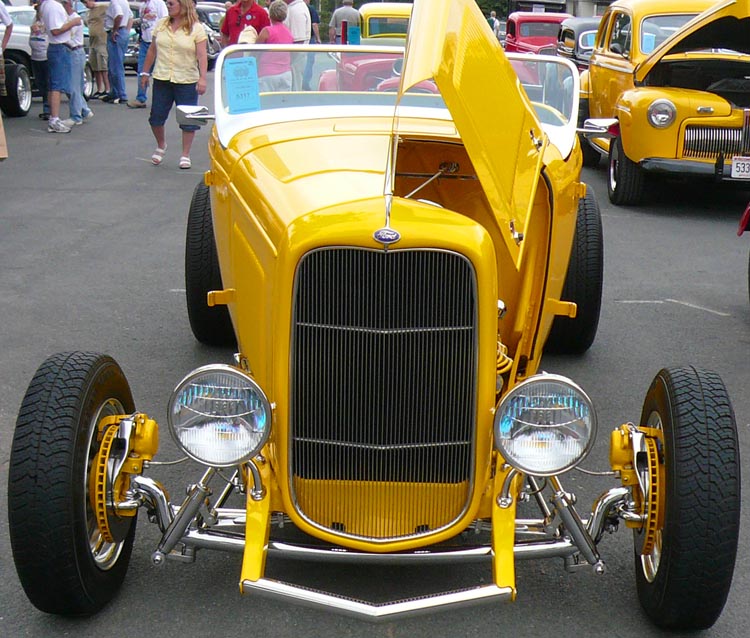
x,y
383,20
391,254
677,85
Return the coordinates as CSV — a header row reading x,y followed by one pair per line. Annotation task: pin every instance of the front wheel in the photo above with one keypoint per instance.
x,y
64,563
685,570
624,178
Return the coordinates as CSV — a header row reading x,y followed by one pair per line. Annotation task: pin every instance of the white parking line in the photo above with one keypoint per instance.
x,y
677,301
697,307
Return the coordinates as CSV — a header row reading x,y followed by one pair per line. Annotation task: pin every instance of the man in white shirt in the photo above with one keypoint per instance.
x,y
117,22
151,12
298,22
58,25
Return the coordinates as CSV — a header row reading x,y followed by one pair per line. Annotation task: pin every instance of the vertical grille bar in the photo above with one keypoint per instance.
x,y
383,385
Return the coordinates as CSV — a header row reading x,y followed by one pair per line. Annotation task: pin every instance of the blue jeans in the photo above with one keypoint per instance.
x,y
167,93
116,63
39,69
78,107
58,68
142,51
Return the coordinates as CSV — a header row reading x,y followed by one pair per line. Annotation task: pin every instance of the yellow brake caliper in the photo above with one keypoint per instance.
x,y
143,444
635,453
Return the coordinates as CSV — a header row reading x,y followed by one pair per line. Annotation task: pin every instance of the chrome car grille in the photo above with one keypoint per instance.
x,y
708,142
383,384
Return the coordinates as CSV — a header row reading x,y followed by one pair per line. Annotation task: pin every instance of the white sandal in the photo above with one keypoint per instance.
x,y
158,155
185,162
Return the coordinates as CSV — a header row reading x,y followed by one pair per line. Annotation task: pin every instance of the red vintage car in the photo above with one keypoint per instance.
x,y
533,32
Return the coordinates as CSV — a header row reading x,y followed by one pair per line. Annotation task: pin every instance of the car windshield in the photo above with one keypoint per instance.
x,y
587,40
258,84
214,17
656,29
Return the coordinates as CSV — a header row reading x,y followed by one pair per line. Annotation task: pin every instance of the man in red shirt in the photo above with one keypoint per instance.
x,y
243,13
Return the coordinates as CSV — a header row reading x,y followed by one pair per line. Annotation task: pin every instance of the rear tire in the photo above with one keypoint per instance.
x,y
583,283
684,582
211,325
18,85
63,563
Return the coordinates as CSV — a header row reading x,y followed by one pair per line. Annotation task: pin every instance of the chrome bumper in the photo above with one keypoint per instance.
x,y
378,612
719,170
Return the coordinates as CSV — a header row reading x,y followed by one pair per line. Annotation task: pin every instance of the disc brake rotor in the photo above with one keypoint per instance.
x,y
652,499
101,490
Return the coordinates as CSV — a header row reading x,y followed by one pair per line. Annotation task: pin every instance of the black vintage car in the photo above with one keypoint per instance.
x,y
575,40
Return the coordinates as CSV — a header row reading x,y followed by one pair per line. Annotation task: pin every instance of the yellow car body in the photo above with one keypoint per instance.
x,y
385,20
390,252
673,75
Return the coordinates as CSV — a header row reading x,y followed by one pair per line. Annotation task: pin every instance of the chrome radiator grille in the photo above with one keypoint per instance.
x,y
383,384
707,142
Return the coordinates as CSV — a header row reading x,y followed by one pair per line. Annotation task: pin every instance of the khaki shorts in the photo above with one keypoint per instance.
x,y
98,58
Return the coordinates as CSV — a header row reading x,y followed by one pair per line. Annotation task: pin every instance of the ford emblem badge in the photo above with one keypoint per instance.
x,y
386,236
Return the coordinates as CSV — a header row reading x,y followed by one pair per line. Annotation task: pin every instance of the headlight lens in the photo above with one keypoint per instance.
x,y
661,113
219,416
545,425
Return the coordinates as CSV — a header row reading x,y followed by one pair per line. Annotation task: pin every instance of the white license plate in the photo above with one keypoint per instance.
x,y
741,167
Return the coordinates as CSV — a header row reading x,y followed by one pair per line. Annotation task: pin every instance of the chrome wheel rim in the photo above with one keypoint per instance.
x,y
23,90
650,562
103,553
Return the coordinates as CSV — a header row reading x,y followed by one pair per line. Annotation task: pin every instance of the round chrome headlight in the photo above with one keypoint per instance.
x,y
545,425
219,416
661,113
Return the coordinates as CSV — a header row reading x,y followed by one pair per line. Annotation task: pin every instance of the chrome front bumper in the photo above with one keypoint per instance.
x,y
184,532
378,612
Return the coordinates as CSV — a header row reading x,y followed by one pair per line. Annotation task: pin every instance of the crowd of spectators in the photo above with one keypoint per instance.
x,y
172,53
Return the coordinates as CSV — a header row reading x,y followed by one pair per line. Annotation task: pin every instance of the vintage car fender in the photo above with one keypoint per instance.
x,y
641,140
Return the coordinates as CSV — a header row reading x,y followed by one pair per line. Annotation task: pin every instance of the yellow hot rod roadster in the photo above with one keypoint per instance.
x,y
389,253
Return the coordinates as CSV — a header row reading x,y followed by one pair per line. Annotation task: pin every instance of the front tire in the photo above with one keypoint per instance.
x,y
684,581
63,563
624,178
211,325
583,283
18,84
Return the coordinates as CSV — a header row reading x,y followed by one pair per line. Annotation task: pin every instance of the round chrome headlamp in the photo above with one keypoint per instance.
x,y
661,113
545,425
219,416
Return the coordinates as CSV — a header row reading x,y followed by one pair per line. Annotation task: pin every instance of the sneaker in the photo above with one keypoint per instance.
x,y
70,122
57,126
119,100
88,116
136,104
